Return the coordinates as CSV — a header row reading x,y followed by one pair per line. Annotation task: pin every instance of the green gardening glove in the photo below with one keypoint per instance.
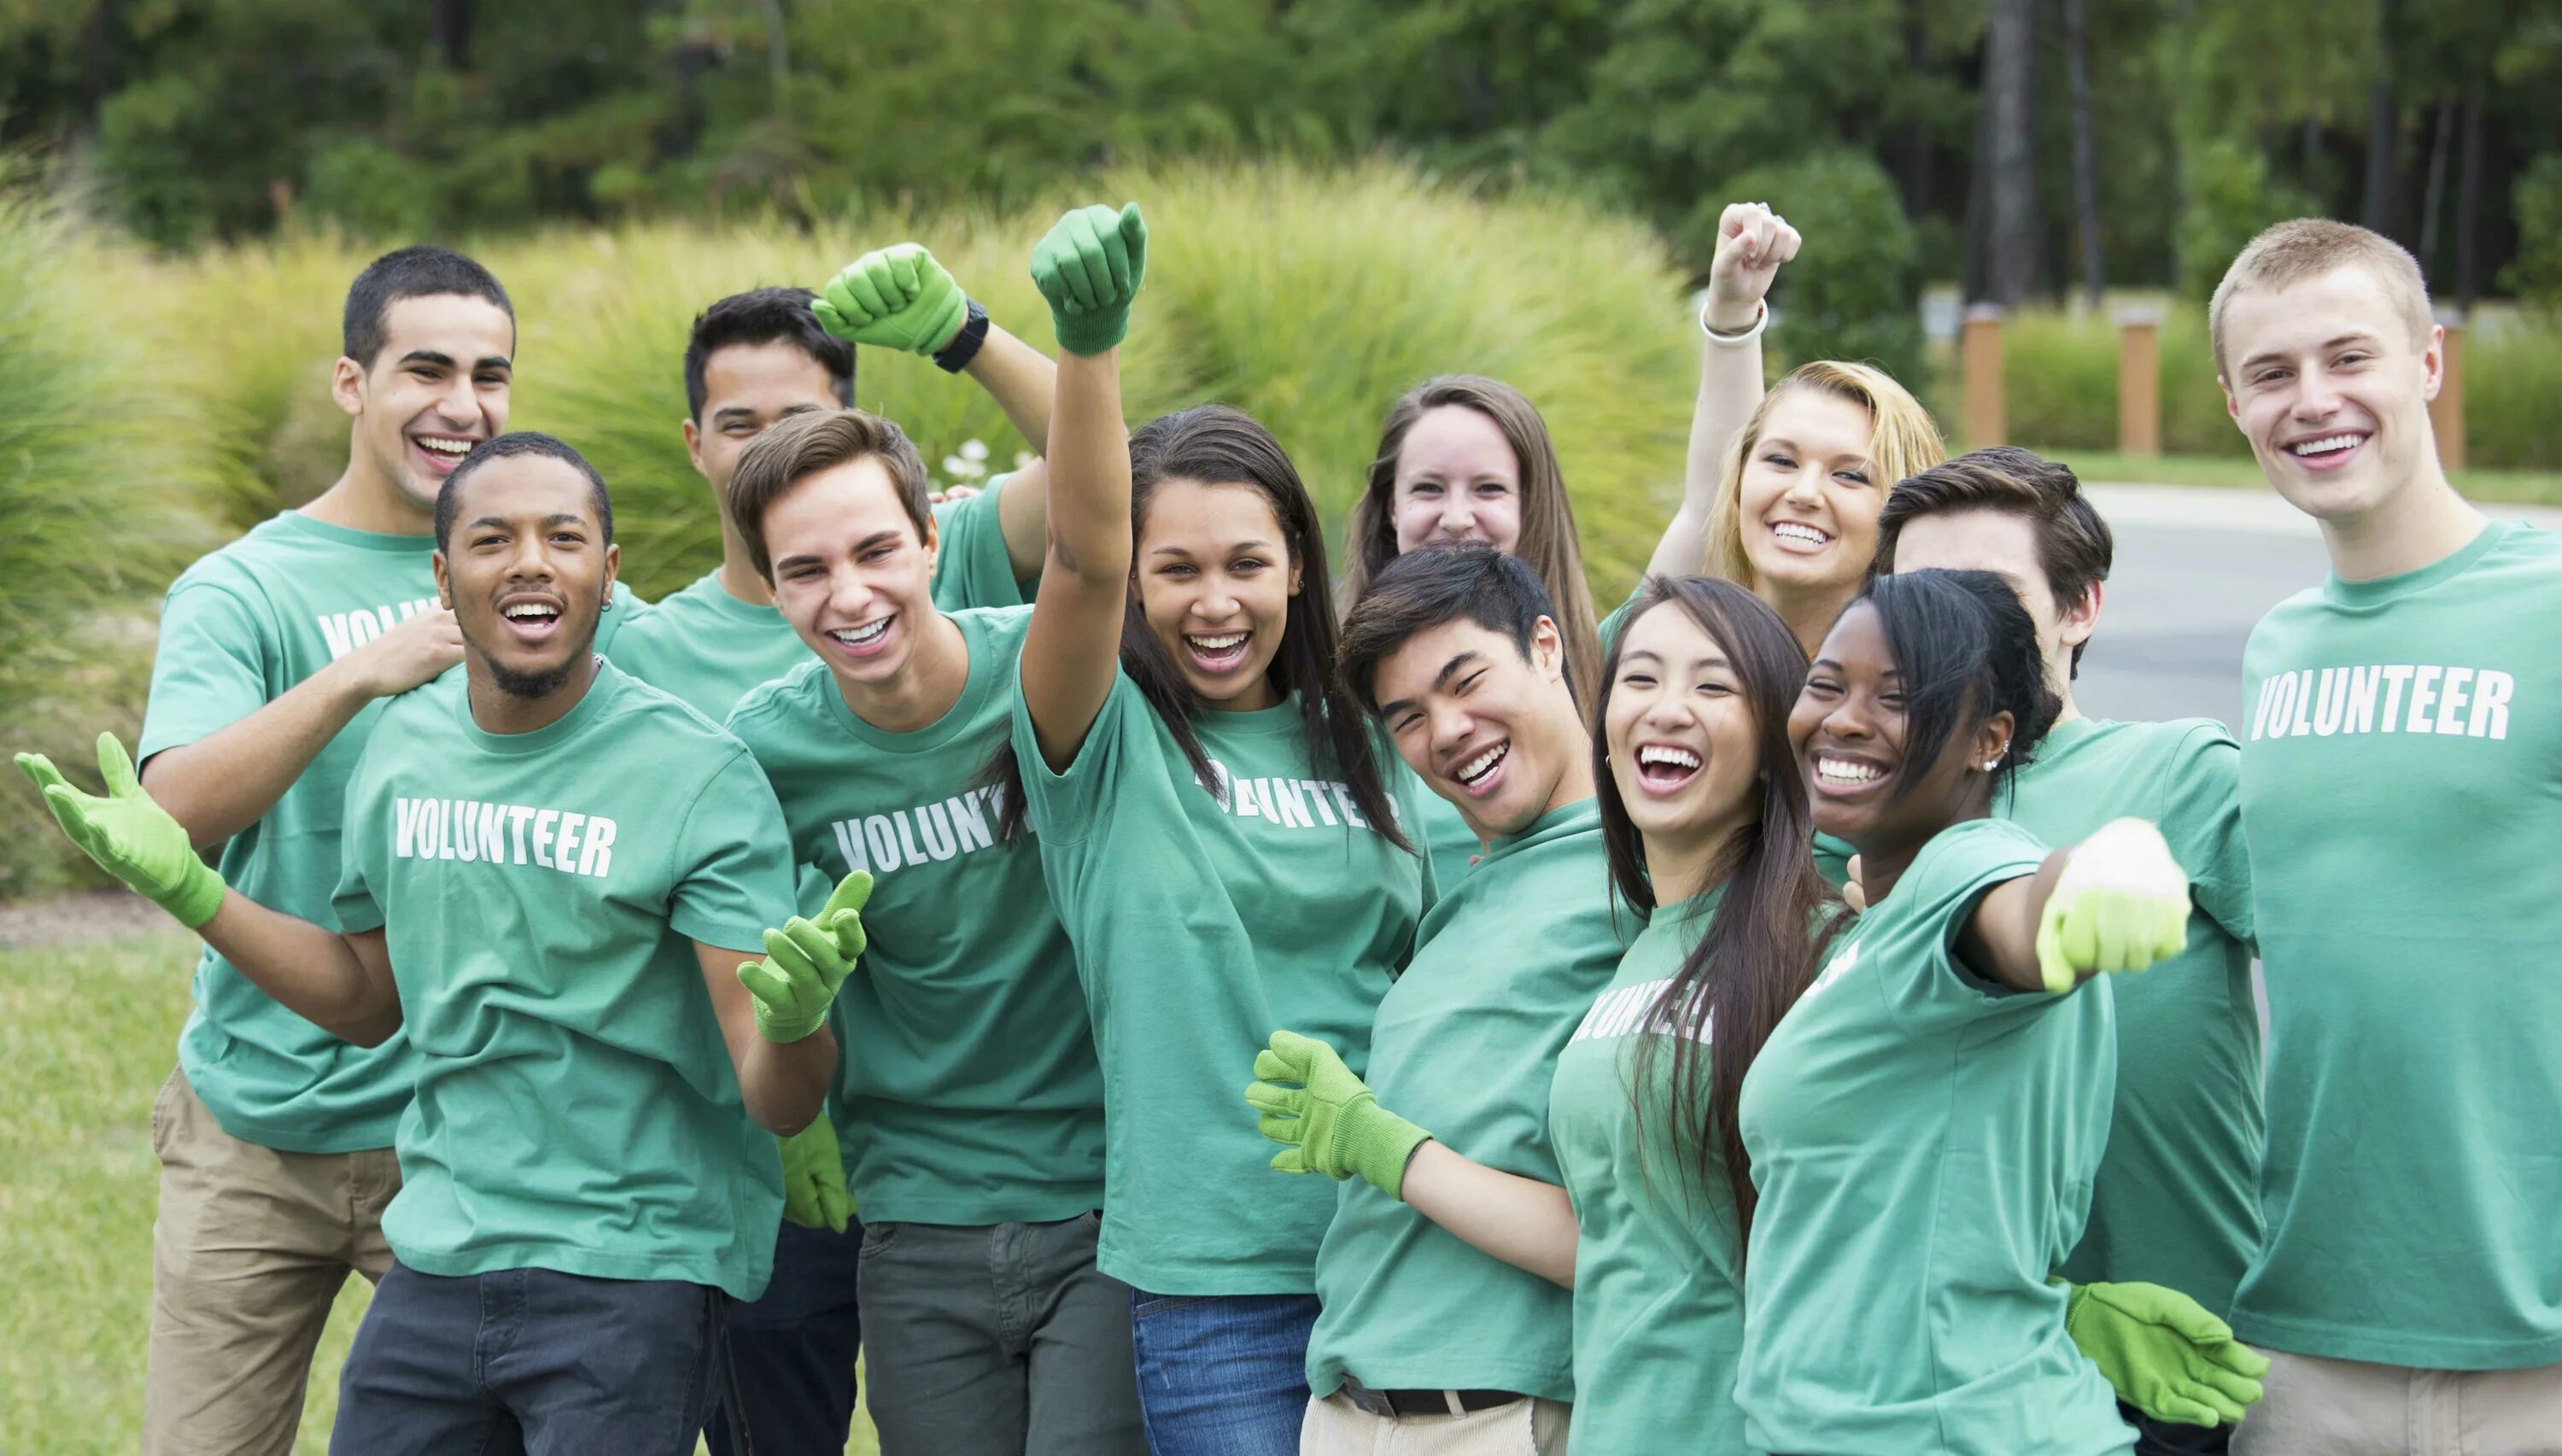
x,y
2120,905
1088,266
129,835
2164,1353
1332,1121
813,1178
806,962
895,298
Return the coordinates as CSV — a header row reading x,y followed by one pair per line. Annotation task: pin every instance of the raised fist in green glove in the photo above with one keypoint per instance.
x,y
130,836
1089,267
2120,905
813,1178
2165,1353
1330,1121
894,297
806,962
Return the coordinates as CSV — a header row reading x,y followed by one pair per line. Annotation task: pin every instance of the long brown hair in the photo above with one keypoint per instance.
x,y
1759,951
1548,537
1221,444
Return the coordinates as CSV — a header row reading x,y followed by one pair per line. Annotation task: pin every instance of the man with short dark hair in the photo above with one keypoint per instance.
x,y
2177,1200
552,878
1422,1334
2402,794
754,360
275,654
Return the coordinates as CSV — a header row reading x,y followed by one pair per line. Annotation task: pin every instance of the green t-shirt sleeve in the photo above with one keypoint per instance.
x,y
1832,859
2201,817
628,607
972,566
210,669
354,903
1063,805
1947,883
733,870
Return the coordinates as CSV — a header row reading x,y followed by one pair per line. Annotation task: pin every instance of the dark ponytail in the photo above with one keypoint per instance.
x,y
1759,951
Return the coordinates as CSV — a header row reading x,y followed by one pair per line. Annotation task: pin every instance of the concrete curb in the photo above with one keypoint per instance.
x,y
2259,512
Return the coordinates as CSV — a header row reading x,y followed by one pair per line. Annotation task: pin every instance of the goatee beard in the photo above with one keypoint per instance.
x,y
534,685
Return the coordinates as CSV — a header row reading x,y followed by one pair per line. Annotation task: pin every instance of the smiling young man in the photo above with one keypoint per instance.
x,y
970,1107
755,359
275,654
2177,1199
551,877
2401,792
1443,1277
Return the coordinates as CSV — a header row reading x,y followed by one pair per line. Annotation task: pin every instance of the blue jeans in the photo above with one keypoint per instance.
x,y
1221,1374
792,1353
529,1361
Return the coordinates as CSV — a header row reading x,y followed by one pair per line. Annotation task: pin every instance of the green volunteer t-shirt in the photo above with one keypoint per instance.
x,y
2177,1200
1658,1299
240,628
708,647
1453,845
1465,1047
2401,799
969,1092
971,567
1204,918
1924,1143
576,1105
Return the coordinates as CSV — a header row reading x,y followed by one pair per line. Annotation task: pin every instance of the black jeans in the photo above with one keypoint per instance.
x,y
792,1353
531,1361
2170,1438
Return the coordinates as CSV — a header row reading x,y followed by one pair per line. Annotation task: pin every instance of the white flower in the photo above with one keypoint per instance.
x,y
974,451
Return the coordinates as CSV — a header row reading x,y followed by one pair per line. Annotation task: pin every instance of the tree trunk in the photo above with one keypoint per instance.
x,y
1917,148
2383,127
98,58
2433,196
452,23
2085,150
2009,91
2469,190
778,52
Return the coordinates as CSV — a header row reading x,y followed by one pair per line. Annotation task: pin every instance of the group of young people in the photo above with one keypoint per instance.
x,y
1704,1016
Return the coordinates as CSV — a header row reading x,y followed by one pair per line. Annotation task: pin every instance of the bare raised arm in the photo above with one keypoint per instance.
x,y
1089,268
1751,243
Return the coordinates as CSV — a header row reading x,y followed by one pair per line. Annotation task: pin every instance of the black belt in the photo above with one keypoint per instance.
x,y
1399,1403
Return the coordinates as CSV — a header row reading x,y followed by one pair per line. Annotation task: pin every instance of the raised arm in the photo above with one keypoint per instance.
x,y
1089,268
2117,901
228,780
1751,243
901,298
1329,1121
340,983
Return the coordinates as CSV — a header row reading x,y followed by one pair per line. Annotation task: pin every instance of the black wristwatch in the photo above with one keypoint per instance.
x,y
955,355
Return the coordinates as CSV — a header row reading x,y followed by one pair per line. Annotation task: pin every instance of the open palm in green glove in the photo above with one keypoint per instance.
x,y
2164,1353
806,962
894,297
813,1178
1330,1121
130,836
1089,267
2120,905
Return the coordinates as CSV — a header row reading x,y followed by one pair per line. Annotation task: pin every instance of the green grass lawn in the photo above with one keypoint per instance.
x,y
87,1035
2240,473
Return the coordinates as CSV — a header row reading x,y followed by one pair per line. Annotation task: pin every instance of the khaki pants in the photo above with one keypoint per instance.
x,y
249,1253
1335,1427
2345,1408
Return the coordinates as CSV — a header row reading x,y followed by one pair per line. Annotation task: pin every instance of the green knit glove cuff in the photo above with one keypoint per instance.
x,y
196,896
1331,1123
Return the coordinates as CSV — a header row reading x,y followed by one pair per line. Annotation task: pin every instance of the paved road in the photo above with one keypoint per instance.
x,y
2195,570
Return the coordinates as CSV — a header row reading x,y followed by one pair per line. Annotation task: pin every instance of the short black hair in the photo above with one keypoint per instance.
x,y
1425,589
1967,649
520,442
765,316
408,273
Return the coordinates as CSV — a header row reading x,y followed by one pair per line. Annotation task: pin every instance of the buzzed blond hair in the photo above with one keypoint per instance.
x,y
2307,248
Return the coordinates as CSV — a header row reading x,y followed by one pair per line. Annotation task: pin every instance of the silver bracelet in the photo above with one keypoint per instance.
x,y
1760,322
